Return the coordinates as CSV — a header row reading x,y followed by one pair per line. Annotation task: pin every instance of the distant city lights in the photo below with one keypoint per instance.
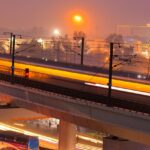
x,y
40,40
148,25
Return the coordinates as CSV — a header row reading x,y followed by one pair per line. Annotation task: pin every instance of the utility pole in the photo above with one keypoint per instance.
x,y
82,49
58,51
11,38
110,73
148,67
13,57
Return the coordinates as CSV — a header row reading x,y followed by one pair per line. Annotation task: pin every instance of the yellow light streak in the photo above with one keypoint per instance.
x,y
85,78
19,124
90,139
87,147
42,137
7,127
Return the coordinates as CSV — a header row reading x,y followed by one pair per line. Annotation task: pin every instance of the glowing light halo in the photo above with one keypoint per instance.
x,y
56,32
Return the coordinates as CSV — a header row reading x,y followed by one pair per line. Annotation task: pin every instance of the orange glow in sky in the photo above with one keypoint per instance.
x,y
79,20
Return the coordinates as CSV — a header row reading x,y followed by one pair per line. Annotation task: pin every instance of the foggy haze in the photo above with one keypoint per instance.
x,y
101,16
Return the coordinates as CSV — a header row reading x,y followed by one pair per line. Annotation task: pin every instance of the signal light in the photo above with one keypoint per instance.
x,y
27,73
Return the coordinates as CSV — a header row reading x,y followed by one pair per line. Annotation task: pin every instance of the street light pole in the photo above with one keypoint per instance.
x,y
82,49
13,57
110,73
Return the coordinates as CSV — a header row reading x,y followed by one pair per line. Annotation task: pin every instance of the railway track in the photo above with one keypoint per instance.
x,y
120,103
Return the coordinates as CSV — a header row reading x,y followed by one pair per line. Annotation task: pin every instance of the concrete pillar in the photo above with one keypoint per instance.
x,y
67,136
117,144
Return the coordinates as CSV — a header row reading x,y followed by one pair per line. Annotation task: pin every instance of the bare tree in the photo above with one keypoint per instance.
x,y
2,47
115,38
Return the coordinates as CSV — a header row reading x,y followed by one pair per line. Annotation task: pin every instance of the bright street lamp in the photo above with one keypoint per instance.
x,y
77,19
56,32
41,41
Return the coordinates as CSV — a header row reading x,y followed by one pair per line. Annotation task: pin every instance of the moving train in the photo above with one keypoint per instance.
x,y
76,79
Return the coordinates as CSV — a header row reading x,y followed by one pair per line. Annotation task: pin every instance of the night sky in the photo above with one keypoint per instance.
x,y
100,16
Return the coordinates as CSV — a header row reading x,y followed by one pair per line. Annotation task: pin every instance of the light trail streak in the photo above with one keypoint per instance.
x,y
42,137
87,147
6,127
120,89
90,139
117,84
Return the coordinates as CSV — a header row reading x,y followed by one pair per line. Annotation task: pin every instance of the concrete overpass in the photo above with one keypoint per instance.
x,y
19,114
123,123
